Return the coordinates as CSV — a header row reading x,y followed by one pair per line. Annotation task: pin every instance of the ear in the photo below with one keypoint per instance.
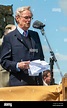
x,y
17,18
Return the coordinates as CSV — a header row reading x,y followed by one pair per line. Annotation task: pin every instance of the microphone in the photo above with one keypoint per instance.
x,y
37,24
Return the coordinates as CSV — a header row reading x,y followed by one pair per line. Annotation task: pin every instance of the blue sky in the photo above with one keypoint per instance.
x,y
53,13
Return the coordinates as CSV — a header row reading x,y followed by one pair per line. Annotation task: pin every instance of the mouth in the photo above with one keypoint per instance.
x,y
28,24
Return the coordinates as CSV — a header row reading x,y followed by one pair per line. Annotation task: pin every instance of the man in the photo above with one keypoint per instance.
x,y
46,77
18,50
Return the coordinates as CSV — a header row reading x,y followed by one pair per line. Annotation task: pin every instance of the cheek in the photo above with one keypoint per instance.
x,y
21,22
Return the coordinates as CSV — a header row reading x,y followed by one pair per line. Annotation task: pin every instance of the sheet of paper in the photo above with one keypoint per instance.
x,y
37,66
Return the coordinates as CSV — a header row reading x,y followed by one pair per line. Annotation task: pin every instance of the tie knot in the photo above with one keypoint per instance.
x,y
25,33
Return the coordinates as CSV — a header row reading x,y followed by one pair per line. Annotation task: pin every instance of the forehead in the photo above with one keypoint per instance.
x,y
26,12
48,74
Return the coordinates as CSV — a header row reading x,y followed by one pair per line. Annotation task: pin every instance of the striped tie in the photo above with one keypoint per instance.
x,y
25,33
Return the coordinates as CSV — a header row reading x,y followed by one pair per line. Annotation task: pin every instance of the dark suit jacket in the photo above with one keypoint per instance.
x,y
14,49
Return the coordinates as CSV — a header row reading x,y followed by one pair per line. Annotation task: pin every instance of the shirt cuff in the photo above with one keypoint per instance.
x,y
17,67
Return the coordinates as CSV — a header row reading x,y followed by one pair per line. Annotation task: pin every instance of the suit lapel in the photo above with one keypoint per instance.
x,y
20,39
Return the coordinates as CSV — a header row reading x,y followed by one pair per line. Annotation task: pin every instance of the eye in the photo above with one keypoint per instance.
x,y
27,17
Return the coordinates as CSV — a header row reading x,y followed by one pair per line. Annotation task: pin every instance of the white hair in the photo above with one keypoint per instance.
x,y
21,9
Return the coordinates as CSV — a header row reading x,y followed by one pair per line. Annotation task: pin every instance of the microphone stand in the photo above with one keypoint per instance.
x,y
52,58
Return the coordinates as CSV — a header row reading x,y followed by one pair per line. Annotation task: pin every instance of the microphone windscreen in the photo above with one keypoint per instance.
x,y
37,24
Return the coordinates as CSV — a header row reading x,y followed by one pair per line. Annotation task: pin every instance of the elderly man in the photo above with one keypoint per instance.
x,y
19,48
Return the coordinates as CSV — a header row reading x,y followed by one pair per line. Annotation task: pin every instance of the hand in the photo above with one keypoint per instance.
x,y
23,65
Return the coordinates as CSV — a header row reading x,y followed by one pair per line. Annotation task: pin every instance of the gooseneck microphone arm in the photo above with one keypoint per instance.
x,y
52,58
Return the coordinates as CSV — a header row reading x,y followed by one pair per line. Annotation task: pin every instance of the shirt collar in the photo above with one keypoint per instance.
x,y
44,83
20,30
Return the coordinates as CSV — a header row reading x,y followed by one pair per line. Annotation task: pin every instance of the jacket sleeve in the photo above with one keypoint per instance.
x,y
6,58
